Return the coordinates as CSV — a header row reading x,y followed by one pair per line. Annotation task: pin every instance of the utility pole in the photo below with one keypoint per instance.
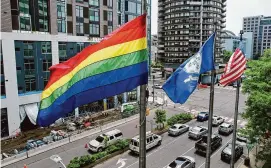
x,y
142,115
236,113
211,109
153,88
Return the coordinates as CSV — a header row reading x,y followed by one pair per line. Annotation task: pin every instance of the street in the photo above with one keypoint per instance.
x,y
171,146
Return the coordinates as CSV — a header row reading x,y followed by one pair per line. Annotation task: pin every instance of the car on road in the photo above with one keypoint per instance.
x,y
153,140
104,140
157,86
201,145
203,116
183,162
217,120
225,128
178,129
197,132
226,152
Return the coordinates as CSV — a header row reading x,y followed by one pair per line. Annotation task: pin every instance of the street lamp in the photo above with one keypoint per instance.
x,y
57,159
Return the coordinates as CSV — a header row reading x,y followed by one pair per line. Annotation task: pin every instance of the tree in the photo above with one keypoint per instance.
x,y
160,116
227,55
258,111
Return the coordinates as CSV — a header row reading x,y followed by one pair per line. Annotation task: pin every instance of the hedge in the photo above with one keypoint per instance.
x,y
87,160
179,118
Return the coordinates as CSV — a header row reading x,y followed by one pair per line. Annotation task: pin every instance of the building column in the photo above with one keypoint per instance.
x,y
12,99
55,53
105,104
116,101
125,97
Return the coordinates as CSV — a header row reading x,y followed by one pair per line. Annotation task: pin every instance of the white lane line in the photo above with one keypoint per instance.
x,y
216,152
157,150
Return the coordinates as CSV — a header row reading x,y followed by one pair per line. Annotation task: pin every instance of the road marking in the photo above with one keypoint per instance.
x,y
122,162
216,152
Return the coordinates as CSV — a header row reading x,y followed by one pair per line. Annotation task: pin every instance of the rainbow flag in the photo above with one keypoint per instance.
x,y
115,65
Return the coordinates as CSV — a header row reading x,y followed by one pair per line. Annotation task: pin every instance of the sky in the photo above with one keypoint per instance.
x,y
236,10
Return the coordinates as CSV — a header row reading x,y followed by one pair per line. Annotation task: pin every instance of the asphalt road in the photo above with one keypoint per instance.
x,y
171,146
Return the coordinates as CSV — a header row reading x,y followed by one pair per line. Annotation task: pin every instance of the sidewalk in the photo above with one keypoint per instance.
x,y
253,163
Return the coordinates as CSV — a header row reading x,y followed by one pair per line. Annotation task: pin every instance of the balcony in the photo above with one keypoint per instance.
x,y
224,9
223,20
195,3
223,26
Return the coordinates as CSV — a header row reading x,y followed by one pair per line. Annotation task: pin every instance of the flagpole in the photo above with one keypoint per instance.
x,y
142,115
235,114
211,109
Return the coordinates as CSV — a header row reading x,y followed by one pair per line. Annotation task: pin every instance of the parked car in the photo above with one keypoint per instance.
x,y
48,139
197,132
226,152
225,128
71,126
203,116
152,141
201,145
104,140
157,86
217,120
40,143
241,137
183,162
30,144
178,129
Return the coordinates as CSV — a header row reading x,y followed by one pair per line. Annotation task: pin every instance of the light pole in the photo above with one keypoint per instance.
x,y
57,159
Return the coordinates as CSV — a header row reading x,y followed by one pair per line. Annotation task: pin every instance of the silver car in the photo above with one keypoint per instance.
x,y
197,132
183,162
178,129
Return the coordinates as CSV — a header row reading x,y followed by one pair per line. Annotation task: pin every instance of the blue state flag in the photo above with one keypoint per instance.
x,y
181,84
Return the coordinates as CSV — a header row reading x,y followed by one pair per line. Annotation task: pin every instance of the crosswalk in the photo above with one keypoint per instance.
x,y
195,112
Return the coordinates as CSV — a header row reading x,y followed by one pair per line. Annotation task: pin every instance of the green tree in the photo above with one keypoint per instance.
x,y
160,117
227,55
258,111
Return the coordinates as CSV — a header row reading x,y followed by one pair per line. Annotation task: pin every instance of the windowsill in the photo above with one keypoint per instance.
x,y
3,97
30,93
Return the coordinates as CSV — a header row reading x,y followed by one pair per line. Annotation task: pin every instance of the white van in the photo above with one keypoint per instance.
x,y
152,141
99,144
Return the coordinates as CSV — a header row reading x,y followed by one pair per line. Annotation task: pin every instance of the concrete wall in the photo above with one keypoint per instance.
x,y
6,25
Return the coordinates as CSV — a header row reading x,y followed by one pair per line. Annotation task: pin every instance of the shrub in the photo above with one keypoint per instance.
x,y
179,118
122,144
74,165
112,149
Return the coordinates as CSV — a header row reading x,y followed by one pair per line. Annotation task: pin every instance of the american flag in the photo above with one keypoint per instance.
x,y
234,68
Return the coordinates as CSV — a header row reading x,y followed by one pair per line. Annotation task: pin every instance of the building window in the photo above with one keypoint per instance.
x,y
45,80
110,16
46,64
24,15
4,122
108,3
3,87
119,19
110,29
61,16
105,15
129,17
138,9
79,1
94,14
46,48
79,11
94,29
105,30
80,47
43,15
94,2
62,51
28,50
79,28
30,85
29,68
119,5
130,7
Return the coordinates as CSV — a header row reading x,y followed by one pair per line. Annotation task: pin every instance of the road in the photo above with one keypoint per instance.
x,y
171,147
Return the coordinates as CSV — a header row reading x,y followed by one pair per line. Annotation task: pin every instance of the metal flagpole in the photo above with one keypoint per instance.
x,y
235,115
142,115
211,109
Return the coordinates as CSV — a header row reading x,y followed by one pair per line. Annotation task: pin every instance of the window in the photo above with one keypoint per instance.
x,y
62,52
111,137
28,49
110,16
108,3
30,85
105,15
94,29
79,28
80,1
129,17
118,134
138,8
119,5
94,14
79,11
61,16
130,6
43,16
94,2
24,15
45,80
80,46
119,19
46,48
105,30
29,67
46,64
110,29
4,122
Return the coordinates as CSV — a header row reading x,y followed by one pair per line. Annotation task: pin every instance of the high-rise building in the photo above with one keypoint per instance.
x,y
36,34
230,42
154,50
179,28
260,26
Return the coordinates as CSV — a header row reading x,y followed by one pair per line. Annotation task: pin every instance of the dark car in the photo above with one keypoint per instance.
x,y
203,116
201,145
226,152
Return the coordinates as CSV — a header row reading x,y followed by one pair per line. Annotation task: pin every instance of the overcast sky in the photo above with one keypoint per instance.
x,y
236,10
